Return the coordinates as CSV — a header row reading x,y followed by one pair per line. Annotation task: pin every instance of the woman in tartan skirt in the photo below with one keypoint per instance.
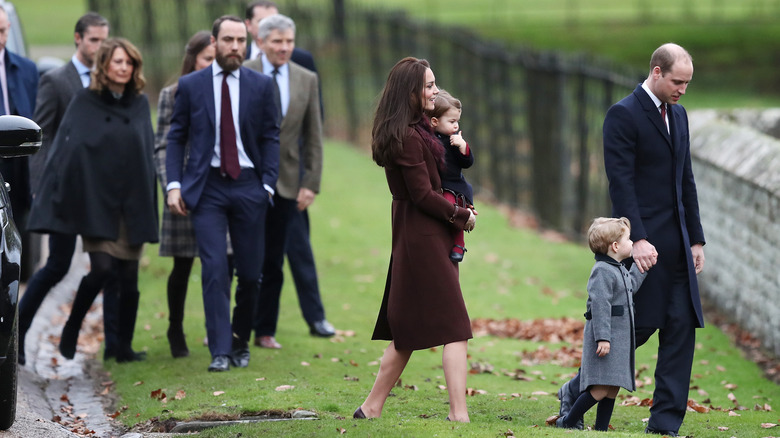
x,y
177,237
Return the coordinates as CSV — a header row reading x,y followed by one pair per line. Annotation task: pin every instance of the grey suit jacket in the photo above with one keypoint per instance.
x,y
302,121
55,91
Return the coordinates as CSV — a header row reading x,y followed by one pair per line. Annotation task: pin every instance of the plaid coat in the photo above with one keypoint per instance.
x,y
177,237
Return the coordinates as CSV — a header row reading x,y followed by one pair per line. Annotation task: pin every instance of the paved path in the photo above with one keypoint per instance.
x,y
49,384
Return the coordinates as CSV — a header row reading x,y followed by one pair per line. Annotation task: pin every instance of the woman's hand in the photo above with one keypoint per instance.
x,y
603,348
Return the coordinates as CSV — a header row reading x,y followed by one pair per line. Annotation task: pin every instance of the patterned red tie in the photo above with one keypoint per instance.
x,y
663,115
228,150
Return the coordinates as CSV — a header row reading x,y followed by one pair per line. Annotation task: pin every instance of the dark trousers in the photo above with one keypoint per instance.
x,y
61,248
303,268
676,345
240,207
278,217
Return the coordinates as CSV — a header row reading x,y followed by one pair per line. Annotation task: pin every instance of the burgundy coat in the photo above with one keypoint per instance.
x,y
423,305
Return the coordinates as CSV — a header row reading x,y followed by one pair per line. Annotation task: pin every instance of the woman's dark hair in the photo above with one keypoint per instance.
x,y
195,45
103,57
399,107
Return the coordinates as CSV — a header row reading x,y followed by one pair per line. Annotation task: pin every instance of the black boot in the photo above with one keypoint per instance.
x,y
68,340
177,341
128,302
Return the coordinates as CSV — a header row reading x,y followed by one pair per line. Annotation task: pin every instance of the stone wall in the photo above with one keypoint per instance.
x,y
736,162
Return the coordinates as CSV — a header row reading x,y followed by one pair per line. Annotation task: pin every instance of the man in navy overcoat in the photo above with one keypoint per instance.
x,y
648,162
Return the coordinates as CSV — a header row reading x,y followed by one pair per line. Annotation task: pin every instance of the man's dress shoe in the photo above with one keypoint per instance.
x,y
322,328
220,363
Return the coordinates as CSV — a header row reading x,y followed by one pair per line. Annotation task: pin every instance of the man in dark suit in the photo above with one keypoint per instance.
x,y
295,190
648,162
298,245
18,87
55,91
228,114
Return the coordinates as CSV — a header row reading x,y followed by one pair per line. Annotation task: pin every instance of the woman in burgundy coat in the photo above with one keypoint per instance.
x,y
422,306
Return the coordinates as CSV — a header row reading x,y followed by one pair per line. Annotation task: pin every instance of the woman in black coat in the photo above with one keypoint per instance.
x,y
99,182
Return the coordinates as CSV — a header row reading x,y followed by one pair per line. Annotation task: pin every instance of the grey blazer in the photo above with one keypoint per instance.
x,y
55,91
610,315
300,137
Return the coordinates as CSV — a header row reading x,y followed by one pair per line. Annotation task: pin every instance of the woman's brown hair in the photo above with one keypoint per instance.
x,y
103,57
399,106
195,45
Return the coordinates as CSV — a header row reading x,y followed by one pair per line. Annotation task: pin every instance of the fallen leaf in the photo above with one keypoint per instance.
x,y
341,430
157,394
768,425
217,393
723,428
284,387
114,415
730,386
353,363
442,387
64,398
411,387
540,393
733,414
697,407
305,364
180,394
138,383
259,379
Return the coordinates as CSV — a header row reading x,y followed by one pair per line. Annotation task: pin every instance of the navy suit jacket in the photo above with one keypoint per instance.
x,y
651,183
193,121
22,81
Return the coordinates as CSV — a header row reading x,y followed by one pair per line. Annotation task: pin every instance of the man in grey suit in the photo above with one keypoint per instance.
x,y
57,87
300,108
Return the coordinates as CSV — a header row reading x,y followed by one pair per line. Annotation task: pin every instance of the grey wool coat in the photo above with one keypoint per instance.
x,y
610,318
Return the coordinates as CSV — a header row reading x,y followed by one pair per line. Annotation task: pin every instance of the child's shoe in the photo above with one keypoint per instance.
x,y
457,253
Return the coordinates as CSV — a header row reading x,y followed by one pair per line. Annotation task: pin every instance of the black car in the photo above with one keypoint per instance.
x,y
18,137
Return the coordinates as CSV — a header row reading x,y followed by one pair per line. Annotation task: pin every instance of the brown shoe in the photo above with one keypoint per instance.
x,y
267,342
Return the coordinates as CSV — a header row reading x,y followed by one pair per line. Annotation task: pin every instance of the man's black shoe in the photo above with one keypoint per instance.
x,y
567,398
661,432
322,328
220,363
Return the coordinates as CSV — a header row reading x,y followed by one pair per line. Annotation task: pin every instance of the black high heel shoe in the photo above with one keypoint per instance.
x,y
359,413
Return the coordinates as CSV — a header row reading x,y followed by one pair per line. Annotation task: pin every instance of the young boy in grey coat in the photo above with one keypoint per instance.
x,y
608,344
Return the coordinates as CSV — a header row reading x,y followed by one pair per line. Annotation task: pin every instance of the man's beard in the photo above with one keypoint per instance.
x,y
230,62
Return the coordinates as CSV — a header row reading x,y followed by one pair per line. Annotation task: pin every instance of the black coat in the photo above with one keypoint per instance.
x,y
452,178
651,183
100,168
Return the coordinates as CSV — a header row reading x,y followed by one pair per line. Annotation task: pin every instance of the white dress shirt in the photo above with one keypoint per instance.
x,y
282,80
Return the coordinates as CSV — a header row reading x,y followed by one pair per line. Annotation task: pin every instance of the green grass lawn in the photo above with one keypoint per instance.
x,y
508,273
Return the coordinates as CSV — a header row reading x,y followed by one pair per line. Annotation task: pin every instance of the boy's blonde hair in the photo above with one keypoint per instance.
x,y
605,230
444,101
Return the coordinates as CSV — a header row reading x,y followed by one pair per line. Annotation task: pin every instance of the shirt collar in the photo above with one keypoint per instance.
x,y
656,100
216,70
80,67
268,67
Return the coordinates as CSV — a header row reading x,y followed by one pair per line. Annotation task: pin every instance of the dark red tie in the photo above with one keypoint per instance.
x,y
228,150
663,115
